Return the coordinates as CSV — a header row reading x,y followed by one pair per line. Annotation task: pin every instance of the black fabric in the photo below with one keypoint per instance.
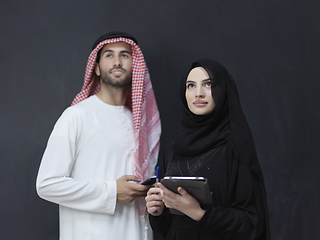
x,y
110,35
218,146
226,121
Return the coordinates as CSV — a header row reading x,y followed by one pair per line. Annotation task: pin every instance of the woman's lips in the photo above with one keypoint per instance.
x,y
200,103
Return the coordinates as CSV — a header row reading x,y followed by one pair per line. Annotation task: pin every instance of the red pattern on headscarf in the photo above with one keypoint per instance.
x,y
146,119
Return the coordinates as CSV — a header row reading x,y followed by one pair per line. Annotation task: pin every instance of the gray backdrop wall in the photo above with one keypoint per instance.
x,y
270,47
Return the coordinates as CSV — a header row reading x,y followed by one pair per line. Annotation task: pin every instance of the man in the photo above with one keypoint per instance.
x,y
103,146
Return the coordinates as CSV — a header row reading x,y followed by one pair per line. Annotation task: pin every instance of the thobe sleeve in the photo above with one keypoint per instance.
x,y
54,181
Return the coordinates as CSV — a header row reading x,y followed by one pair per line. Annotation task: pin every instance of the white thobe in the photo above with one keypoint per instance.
x,y
91,145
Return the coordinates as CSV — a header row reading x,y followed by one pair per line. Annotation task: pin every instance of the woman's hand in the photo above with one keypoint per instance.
x,y
154,201
185,203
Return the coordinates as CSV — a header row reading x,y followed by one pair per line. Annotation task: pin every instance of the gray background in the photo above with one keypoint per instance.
x,y
270,47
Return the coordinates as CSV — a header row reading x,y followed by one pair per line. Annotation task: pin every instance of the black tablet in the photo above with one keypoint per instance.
x,y
198,187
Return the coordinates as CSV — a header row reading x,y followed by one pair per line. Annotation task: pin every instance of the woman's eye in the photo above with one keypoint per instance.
x,y
208,84
190,85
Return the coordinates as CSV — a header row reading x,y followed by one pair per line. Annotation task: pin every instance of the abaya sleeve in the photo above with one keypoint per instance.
x,y
243,216
161,224
238,211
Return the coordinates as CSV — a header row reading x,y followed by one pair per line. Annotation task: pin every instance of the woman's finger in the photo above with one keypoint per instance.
x,y
153,190
182,191
166,191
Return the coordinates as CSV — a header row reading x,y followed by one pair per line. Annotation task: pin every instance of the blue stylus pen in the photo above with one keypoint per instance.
x,y
157,180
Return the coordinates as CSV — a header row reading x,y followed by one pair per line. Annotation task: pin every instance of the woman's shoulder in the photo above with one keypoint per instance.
x,y
168,148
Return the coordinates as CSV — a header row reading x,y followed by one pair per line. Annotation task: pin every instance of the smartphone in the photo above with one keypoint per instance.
x,y
149,181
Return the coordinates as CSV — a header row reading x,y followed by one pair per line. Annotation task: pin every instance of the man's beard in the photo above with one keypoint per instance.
x,y
116,82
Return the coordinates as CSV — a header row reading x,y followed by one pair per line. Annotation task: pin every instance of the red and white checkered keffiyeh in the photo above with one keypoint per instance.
x,y
145,112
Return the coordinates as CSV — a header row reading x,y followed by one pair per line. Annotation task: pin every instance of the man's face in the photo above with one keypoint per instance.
x,y
115,65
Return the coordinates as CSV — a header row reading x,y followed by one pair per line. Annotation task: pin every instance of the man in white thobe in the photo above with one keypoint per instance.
x,y
103,146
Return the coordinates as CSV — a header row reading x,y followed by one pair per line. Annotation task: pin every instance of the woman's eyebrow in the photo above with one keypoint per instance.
x,y
204,80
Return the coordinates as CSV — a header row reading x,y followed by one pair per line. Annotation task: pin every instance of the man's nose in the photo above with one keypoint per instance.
x,y
117,61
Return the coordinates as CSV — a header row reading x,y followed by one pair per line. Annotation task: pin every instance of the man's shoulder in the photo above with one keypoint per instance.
x,y
79,110
84,106
86,103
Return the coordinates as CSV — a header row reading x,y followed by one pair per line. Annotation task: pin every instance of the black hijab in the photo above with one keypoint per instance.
x,y
227,121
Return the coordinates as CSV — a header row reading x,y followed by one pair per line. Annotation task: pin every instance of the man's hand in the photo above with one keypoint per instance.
x,y
127,191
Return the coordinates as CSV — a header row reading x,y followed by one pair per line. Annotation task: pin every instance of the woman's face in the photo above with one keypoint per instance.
x,y
198,92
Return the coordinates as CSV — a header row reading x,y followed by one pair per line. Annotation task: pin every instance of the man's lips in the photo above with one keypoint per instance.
x,y
200,103
117,71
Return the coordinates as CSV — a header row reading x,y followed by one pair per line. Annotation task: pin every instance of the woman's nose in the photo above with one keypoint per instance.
x,y
199,92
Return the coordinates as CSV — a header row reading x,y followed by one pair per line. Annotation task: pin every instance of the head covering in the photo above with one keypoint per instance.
x,y
141,100
111,35
219,146
227,121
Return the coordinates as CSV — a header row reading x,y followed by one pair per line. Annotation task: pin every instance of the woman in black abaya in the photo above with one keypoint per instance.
x,y
215,143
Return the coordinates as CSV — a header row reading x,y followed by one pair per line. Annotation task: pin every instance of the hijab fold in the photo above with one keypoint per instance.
x,y
226,122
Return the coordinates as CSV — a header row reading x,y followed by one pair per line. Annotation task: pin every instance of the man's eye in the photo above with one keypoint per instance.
x,y
125,56
108,55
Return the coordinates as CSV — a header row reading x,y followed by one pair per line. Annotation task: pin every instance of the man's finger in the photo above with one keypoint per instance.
x,y
132,178
139,188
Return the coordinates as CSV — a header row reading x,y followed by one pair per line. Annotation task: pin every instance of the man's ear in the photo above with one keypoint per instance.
x,y
97,69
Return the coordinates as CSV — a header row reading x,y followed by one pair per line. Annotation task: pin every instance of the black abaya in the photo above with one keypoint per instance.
x,y
218,146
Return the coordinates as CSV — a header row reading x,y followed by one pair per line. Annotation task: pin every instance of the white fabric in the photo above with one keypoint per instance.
x,y
89,148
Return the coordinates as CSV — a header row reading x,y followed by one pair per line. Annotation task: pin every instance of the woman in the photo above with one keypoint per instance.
x,y
215,143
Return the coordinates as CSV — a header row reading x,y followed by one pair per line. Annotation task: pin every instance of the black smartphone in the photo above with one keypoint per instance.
x,y
149,181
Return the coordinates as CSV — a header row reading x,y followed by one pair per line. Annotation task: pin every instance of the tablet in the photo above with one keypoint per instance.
x,y
197,187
